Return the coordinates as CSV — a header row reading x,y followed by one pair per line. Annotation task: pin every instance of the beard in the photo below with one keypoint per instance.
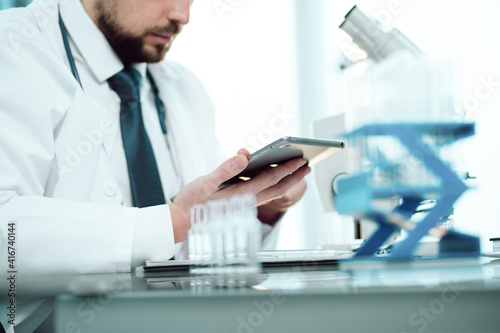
x,y
128,47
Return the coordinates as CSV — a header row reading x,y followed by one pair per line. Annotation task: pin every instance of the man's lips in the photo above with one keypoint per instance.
x,y
161,38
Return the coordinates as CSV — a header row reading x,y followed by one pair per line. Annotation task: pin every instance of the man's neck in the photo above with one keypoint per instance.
x,y
89,7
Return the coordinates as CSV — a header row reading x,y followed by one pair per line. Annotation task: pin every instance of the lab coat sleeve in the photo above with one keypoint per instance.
x,y
54,235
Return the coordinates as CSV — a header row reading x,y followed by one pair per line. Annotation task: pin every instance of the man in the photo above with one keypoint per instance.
x,y
71,148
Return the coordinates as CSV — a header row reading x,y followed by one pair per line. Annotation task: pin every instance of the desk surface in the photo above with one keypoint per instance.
x,y
458,297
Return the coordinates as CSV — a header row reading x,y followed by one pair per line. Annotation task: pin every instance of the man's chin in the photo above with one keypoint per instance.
x,y
154,54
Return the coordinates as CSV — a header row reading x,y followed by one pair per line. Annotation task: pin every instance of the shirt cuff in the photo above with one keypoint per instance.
x,y
154,235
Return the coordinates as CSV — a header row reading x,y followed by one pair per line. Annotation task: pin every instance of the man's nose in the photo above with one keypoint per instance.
x,y
178,11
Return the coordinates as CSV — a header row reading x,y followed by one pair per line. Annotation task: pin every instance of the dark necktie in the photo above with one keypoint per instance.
x,y
143,171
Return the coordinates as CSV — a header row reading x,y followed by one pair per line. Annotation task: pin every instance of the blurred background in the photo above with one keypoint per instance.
x,y
273,67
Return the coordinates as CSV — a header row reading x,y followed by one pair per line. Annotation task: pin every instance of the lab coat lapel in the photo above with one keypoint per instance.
x,y
81,142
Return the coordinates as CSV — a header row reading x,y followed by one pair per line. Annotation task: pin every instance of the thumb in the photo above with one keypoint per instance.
x,y
228,169
243,151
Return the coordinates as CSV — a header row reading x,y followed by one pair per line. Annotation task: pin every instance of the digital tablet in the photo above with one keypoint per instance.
x,y
286,149
270,259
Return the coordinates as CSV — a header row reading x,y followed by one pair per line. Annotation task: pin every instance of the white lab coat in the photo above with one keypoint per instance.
x,y
56,181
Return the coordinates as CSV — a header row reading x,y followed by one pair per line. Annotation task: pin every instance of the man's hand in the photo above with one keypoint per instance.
x,y
267,187
271,212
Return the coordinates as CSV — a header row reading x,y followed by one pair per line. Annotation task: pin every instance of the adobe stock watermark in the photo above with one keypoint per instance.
x,y
266,308
223,7
263,309
482,92
385,15
91,139
89,308
44,12
280,119
12,271
426,315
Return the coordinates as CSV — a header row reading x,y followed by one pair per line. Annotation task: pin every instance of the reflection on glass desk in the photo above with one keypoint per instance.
x,y
462,296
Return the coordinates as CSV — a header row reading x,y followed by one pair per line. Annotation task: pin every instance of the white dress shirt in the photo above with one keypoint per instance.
x,y
63,172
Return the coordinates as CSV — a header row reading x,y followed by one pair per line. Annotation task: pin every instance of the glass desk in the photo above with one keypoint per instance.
x,y
459,296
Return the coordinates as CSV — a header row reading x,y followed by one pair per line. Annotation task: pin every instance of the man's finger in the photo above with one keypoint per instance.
x,y
243,151
225,171
274,176
293,194
278,190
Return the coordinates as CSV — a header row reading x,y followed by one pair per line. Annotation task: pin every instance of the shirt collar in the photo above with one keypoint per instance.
x,y
90,41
